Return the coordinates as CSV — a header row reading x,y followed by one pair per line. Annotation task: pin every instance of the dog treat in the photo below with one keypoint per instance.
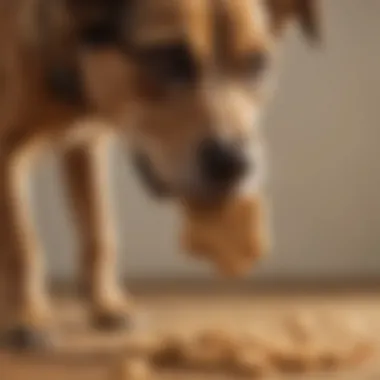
x,y
132,369
330,343
304,352
170,352
217,348
198,357
231,234
294,359
251,363
300,327
360,353
217,339
300,352
204,351
349,343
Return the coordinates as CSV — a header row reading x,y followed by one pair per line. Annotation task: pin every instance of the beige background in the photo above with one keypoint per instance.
x,y
323,137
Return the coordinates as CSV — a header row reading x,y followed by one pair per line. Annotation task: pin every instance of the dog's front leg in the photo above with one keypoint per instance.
x,y
22,248
86,172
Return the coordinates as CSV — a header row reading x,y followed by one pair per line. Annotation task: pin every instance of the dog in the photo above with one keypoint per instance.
x,y
182,82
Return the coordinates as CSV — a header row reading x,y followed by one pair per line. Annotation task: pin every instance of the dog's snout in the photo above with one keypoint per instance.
x,y
221,162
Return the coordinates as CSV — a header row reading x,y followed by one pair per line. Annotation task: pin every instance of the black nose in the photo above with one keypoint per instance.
x,y
221,162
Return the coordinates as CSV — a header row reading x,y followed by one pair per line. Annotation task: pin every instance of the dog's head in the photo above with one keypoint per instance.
x,y
196,73
205,69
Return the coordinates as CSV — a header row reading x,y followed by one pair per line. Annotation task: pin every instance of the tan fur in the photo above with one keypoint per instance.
x,y
168,128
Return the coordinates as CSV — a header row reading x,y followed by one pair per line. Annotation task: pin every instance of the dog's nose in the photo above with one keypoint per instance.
x,y
221,162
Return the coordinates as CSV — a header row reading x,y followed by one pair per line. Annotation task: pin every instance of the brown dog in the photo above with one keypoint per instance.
x,y
184,80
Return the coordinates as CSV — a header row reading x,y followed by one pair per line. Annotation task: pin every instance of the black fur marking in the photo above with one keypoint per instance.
x,y
64,83
99,35
309,19
148,177
100,22
172,63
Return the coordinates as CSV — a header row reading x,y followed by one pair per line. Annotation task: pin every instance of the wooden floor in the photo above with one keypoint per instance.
x,y
84,354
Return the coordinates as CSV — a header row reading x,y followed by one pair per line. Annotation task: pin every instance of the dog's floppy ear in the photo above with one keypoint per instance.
x,y
304,12
66,27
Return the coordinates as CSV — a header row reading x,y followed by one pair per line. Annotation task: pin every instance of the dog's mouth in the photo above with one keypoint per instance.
x,y
158,188
149,178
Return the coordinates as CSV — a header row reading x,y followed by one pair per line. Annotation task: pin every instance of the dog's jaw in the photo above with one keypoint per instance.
x,y
149,179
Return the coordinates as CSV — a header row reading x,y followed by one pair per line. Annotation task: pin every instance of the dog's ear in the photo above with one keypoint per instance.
x,y
304,12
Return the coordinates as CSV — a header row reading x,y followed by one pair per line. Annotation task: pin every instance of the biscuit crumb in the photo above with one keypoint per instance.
x,y
170,352
252,363
133,369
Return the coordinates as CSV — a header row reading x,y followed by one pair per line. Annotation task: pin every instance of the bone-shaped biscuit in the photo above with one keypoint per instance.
x,y
232,233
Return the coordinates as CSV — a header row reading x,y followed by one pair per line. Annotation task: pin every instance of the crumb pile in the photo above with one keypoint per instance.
x,y
298,345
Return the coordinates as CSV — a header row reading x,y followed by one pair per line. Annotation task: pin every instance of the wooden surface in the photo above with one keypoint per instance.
x,y
84,354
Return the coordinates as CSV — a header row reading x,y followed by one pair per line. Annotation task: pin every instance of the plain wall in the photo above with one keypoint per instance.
x,y
323,134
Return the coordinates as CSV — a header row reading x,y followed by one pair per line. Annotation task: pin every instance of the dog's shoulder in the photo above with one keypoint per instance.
x,y
31,34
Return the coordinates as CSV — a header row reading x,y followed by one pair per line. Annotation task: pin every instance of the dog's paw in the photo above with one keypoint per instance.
x,y
114,318
26,338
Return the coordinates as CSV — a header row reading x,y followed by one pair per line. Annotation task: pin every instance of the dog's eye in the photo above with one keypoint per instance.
x,y
255,64
171,64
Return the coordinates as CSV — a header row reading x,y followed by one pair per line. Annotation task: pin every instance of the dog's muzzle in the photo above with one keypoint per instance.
x,y
222,163
148,177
